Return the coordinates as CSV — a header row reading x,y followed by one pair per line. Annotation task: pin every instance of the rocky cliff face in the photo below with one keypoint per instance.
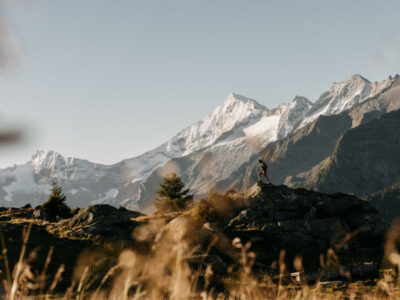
x,y
271,218
308,223
365,160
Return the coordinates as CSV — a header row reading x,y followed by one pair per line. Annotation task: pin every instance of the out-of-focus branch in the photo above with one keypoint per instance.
x,y
10,136
9,54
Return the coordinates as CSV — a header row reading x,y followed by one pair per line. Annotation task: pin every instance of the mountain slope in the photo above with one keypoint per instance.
x,y
271,218
211,169
201,169
208,154
387,201
343,96
365,160
304,150
81,179
303,222
235,112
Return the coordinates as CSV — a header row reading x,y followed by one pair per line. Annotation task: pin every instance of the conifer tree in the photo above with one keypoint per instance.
x,y
171,194
55,206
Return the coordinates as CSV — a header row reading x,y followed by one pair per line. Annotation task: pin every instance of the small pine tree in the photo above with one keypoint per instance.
x,y
55,206
172,195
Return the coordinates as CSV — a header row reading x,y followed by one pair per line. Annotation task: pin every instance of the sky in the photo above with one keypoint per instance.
x,y
108,80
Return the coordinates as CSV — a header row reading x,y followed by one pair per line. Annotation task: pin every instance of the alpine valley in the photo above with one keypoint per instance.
x,y
346,141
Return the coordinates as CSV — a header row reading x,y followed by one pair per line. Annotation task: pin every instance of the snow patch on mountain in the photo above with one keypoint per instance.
x,y
266,123
236,111
21,178
344,95
237,146
107,197
212,148
292,114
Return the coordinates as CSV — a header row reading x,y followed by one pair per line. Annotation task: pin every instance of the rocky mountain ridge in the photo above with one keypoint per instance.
x,y
308,223
309,156
240,127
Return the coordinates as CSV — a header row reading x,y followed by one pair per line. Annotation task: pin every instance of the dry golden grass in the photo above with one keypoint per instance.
x,y
162,271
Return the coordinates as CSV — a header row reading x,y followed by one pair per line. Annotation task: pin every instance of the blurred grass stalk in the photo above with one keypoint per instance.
x,y
19,264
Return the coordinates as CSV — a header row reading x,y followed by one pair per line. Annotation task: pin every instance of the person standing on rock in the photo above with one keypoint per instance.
x,y
263,167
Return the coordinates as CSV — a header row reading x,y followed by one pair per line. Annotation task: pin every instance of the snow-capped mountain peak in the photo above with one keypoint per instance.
x,y
52,160
353,78
343,95
301,100
46,160
63,167
236,99
292,114
236,111
206,152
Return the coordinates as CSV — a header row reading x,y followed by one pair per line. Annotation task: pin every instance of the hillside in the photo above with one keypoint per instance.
x,y
321,126
363,141
302,222
268,219
387,201
95,235
365,160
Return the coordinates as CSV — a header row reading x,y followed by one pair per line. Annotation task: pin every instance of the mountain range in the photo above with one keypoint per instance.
x,y
345,141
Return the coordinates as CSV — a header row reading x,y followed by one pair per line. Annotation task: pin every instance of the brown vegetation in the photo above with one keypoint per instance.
x,y
171,256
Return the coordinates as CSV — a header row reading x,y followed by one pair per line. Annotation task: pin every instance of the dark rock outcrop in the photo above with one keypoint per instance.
x,y
308,223
387,201
96,233
101,222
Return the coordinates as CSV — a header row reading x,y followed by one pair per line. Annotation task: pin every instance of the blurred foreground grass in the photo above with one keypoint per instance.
x,y
36,264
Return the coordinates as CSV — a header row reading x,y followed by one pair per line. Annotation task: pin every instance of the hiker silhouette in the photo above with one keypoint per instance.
x,y
263,166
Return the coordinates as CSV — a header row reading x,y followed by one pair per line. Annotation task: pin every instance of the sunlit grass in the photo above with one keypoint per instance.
x,y
160,269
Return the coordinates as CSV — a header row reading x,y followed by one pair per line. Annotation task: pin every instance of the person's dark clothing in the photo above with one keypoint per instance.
x,y
263,166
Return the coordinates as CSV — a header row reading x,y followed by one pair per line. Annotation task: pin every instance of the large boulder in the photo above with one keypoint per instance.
x,y
308,224
102,222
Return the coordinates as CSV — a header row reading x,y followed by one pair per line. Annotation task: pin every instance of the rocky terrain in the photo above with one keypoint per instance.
x,y
308,223
271,218
314,130
365,160
355,151
387,201
93,236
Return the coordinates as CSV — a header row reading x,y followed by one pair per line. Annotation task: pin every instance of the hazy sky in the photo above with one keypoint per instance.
x,y
107,80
